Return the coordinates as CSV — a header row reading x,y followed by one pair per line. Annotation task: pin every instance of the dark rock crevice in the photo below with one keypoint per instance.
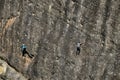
x,y
106,14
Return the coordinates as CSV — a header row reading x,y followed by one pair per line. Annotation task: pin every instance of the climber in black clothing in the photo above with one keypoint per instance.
x,y
23,47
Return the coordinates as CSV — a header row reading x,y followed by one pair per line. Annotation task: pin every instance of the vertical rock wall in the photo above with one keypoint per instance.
x,y
51,29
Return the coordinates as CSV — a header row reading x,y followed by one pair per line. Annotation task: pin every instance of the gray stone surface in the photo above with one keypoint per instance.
x,y
9,72
51,29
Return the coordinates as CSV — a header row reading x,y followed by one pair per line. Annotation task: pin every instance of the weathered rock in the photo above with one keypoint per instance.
x,y
7,72
51,29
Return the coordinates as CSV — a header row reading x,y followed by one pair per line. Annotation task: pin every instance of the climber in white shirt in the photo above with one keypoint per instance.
x,y
78,48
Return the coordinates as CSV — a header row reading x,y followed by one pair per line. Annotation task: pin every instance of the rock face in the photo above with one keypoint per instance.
x,y
51,29
7,72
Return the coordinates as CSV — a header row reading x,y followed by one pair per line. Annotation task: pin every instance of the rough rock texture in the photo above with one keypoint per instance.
x,y
7,72
51,29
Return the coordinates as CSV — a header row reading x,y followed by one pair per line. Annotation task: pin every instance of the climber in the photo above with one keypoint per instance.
x,y
78,48
23,48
